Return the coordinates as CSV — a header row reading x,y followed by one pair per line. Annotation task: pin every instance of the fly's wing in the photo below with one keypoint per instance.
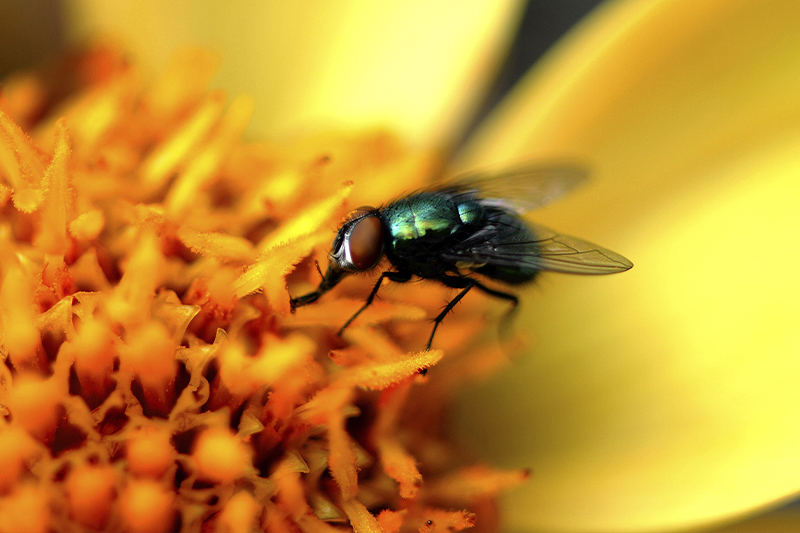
x,y
546,250
563,253
521,189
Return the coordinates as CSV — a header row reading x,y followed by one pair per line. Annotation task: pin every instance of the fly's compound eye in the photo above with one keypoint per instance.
x,y
339,252
364,243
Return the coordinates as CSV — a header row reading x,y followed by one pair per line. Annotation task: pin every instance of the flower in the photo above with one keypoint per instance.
x,y
663,399
154,378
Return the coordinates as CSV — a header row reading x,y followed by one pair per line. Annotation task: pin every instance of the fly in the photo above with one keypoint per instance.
x,y
462,229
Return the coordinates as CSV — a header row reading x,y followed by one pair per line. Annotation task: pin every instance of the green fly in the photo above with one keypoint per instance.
x,y
461,231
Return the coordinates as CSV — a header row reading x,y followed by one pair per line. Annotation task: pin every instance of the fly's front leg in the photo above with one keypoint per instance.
x,y
397,277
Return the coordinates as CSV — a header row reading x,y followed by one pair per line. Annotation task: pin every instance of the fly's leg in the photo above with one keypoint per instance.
x,y
397,277
498,294
466,284
505,322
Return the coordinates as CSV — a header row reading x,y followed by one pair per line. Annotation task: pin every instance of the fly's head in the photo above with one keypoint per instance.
x,y
357,247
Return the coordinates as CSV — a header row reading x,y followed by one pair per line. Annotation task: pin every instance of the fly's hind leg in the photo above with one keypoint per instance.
x,y
505,322
397,277
497,294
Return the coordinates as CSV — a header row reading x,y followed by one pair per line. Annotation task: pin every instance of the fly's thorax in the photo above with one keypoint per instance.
x,y
427,219
420,227
471,212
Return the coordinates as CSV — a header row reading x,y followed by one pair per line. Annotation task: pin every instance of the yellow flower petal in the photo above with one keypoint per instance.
x,y
147,506
149,452
26,509
20,449
175,151
271,265
20,334
476,482
87,226
93,352
240,513
309,220
130,303
664,398
219,245
397,462
380,376
328,407
439,520
203,170
360,517
220,456
91,491
23,164
58,197
350,63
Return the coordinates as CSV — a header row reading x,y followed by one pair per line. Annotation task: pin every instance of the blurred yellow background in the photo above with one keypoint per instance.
x,y
415,66
665,395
